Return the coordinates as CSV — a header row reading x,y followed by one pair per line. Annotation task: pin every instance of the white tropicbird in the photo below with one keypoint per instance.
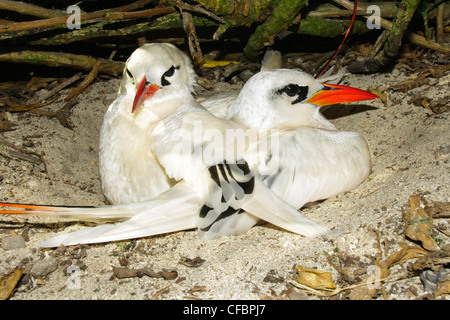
x,y
312,159
214,189
129,171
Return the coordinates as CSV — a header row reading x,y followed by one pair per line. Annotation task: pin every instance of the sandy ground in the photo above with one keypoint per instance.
x,y
410,148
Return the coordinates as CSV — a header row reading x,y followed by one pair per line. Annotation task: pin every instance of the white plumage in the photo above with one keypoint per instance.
x,y
311,160
124,145
128,170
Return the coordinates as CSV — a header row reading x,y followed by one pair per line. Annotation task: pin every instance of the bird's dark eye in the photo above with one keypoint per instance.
x,y
293,90
168,74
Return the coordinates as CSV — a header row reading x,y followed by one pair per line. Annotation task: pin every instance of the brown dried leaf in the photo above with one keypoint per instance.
x,y
365,49
316,279
438,209
439,71
440,106
433,261
409,84
191,263
197,289
8,283
122,273
419,224
443,287
426,104
368,287
405,254
168,274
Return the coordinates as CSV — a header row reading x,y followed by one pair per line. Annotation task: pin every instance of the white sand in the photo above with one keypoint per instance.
x,y
410,152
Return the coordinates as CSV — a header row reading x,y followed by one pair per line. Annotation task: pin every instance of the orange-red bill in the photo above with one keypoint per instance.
x,y
333,94
145,90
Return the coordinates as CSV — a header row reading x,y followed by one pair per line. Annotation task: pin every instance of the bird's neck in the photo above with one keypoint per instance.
x,y
163,106
308,117
269,118
319,121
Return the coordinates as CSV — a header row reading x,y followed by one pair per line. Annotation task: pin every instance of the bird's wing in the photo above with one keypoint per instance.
x,y
269,207
213,162
230,186
310,164
191,139
218,103
201,149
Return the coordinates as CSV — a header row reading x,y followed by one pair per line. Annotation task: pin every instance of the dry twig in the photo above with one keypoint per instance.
x,y
62,59
189,7
57,88
189,28
63,115
51,22
87,81
29,9
440,23
18,107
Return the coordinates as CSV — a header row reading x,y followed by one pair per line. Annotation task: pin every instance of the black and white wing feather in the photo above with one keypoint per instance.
x,y
224,179
230,187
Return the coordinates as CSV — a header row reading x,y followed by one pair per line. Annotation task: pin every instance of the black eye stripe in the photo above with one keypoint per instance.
x,y
168,74
171,71
293,90
129,73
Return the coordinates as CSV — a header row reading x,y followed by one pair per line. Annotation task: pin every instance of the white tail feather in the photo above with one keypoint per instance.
x,y
174,210
182,218
271,60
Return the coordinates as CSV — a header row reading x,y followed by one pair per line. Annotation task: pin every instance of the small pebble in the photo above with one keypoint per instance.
x,y
44,267
13,242
430,279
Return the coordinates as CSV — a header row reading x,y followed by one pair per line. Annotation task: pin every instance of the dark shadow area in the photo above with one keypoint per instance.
x,y
344,110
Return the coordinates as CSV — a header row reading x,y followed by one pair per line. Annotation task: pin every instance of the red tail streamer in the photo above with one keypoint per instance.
x,y
355,7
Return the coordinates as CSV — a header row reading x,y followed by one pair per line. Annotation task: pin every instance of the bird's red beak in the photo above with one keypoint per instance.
x,y
144,91
333,94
